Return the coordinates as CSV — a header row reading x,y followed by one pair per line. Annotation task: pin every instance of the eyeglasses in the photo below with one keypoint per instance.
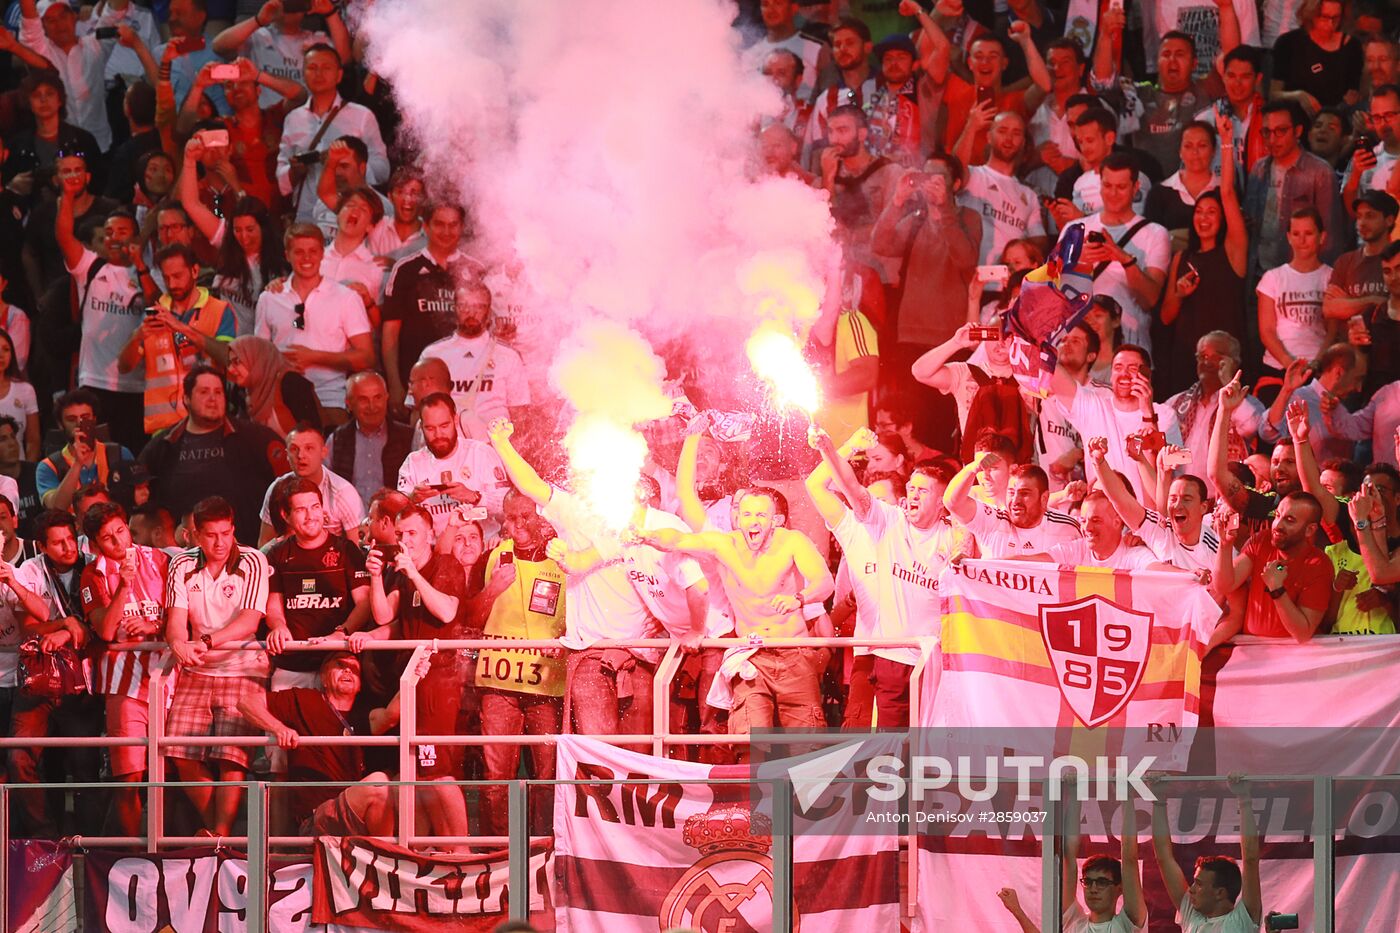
x,y
300,311
1276,131
1096,882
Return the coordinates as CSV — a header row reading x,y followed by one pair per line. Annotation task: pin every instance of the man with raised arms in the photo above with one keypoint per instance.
x,y
769,575
1026,526
913,542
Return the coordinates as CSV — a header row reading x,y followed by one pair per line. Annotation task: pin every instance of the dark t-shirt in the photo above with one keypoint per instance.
x,y
308,713
421,296
416,622
202,467
1303,65
316,587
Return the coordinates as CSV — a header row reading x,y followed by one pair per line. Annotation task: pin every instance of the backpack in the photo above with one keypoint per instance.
x,y
998,407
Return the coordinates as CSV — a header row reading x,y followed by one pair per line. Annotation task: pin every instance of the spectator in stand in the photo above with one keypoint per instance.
x,y
248,259
936,243
342,509
1306,181
855,84
348,258
139,106
781,32
1330,139
488,378
318,587
311,128
15,321
1217,360
400,232
153,526
1205,284
17,399
989,381
1171,203
451,470
608,690
208,451
896,413
1381,61
420,295
319,325
1050,128
846,334
1026,526
53,42
525,592
34,153
1134,251
894,107
1376,422
1221,889
277,44
1317,65
911,546
369,448
427,598
328,707
1243,104
1358,606
123,598
860,185
1371,168
1291,324
274,395
1335,373
346,169
1292,589
43,257
215,597
1078,191
187,19
1122,409
1357,286
46,589
17,486
188,326
85,458
253,130
1009,209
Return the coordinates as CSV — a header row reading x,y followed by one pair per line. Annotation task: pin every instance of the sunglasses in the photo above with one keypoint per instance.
x,y
300,310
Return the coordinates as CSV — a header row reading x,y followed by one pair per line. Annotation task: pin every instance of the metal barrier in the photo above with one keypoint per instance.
x,y
518,840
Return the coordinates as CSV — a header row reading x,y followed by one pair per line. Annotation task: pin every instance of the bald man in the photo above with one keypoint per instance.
x,y
368,449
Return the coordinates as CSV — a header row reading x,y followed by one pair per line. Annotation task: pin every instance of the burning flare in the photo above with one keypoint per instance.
x,y
776,357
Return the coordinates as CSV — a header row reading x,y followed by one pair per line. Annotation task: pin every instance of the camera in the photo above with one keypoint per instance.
x,y
1278,921
307,158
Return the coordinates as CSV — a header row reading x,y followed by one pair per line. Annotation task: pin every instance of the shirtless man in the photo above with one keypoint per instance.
x,y
769,574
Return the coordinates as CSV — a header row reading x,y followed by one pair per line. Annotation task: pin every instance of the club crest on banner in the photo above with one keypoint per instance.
x,y
731,886
1098,650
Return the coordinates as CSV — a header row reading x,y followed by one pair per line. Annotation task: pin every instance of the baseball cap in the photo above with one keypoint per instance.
x,y
44,6
1379,200
896,43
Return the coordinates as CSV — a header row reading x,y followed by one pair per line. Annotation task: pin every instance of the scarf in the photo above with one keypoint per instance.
x,y
266,367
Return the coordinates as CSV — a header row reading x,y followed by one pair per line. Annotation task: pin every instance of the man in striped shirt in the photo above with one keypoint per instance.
x,y
123,597
215,597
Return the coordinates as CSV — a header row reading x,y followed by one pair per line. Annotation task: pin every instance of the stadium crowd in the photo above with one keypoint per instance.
x,y
223,272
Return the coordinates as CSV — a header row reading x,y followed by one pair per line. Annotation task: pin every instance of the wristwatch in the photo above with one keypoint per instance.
x,y
1362,524
1276,592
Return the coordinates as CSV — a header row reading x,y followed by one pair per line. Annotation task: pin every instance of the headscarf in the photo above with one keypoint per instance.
x,y
266,366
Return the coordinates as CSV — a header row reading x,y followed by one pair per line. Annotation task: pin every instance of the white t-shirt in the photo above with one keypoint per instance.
x,y
334,314
1077,921
1009,209
471,463
1157,533
600,604
908,561
11,634
1236,921
1297,300
1088,193
343,506
214,602
1078,554
111,313
1058,437
278,53
19,403
15,322
1152,245
384,240
660,578
1093,414
1377,177
858,574
997,537
808,50
1200,19
488,378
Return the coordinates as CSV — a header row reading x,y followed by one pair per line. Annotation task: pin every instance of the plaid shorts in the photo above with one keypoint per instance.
x,y
205,705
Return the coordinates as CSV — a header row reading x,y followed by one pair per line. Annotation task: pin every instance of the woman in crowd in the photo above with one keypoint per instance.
x,y
17,398
276,395
1205,284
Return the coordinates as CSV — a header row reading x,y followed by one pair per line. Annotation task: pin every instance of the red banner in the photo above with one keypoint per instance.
x,y
365,883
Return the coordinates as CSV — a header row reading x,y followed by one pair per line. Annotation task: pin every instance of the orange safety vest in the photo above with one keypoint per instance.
x,y
167,363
